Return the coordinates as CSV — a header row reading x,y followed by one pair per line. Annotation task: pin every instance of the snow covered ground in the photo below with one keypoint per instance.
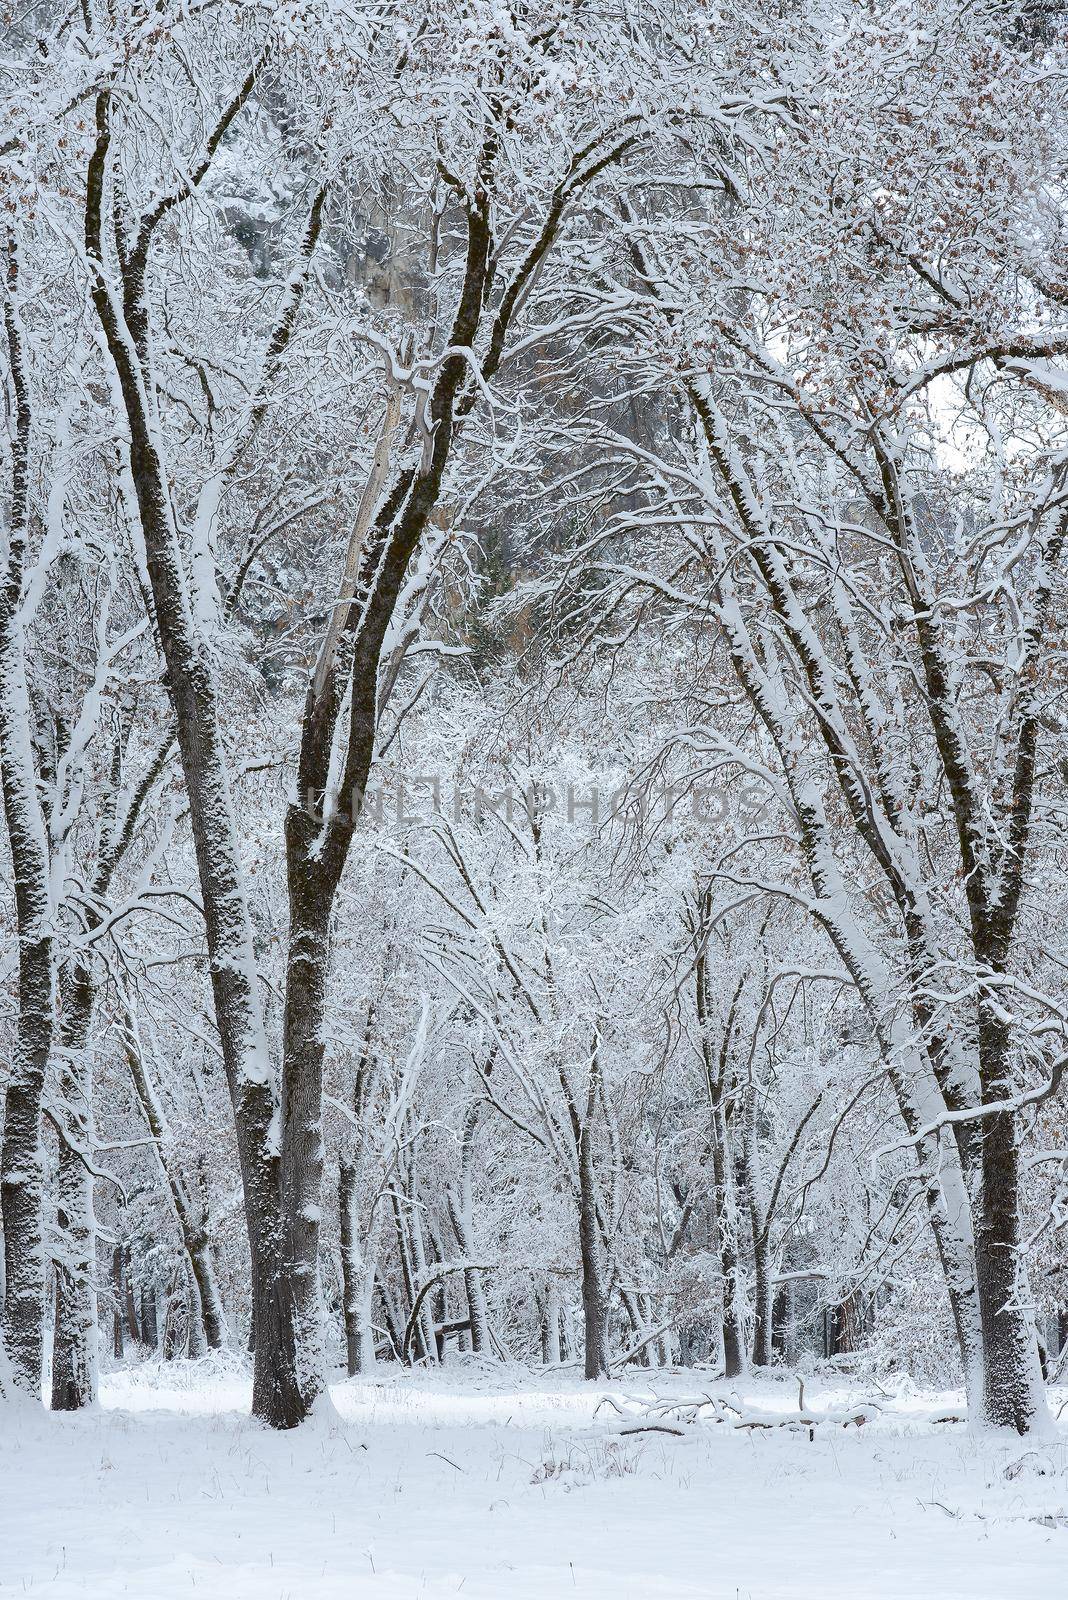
x,y
505,1486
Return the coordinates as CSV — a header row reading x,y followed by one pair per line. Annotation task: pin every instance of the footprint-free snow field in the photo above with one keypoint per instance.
x,y
513,1486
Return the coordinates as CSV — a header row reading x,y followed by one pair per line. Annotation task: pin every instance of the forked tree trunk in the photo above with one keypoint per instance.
x,y
281,1156
279,1384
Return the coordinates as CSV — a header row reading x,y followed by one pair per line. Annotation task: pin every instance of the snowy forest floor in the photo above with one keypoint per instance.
x,y
503,1485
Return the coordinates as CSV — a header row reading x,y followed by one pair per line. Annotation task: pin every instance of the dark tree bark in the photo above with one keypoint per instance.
x,y
278,1395
1011,1366
118,1298
725,1209
352,1285
74,1349
758,1221
594,1309
283,1177
723,1199
21,1179
133,1322
150,1315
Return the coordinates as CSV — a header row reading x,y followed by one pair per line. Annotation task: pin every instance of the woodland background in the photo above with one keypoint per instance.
x,y
434,431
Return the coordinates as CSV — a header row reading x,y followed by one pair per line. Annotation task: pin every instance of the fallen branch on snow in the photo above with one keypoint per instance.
x,y
679,1416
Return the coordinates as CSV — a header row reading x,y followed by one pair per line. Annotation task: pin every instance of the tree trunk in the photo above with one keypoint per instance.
x,y
76,1336
725,1217
75,1347
762,1299
117,1298
1013,1394
196,1340
303,1049
394,1325
212,1316
461,1213
567,1336
593,1300
278,1393
405,1268
550,1327
21,1181
282,1156
784,1332
662,1347
132,1322
758,1221
22,1326
417,1247
149,1316
21,1171
357,1279
723,1200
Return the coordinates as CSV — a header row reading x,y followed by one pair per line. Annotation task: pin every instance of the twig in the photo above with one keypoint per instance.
x,y
655,1427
